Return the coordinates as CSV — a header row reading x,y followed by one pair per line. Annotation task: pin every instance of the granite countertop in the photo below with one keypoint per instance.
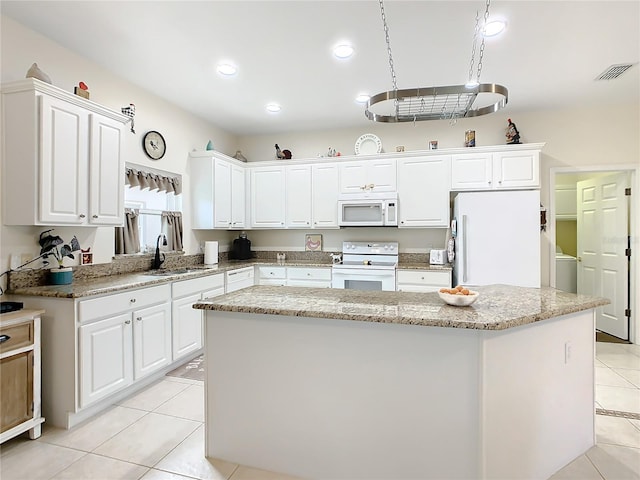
x,y
497,308
128,281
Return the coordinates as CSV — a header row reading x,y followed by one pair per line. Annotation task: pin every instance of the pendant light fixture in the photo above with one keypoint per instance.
x,y
437,103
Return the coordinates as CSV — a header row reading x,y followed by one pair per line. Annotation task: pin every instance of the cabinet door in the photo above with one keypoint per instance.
x,y
353,177
151,339
382,175
516,169
222,195
268,197
186,326
63,162
106,168
298,209
16,385
238,197
423,192
324,192
105,358
566,202
470,171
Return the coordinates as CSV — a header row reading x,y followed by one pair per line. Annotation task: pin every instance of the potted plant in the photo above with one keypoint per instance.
x,y
54,246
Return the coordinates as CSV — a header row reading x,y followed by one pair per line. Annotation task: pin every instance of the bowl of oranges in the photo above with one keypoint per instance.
x,y
458,296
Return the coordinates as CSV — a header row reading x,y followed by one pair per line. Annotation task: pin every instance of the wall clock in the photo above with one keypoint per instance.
x,y
154,145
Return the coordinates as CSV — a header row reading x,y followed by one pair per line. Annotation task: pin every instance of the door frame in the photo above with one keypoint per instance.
x,y
634,213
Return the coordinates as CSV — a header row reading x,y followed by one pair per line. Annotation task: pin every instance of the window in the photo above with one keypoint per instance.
x,y
150,204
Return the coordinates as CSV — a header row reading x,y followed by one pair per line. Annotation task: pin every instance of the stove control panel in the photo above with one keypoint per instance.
x,y
370,248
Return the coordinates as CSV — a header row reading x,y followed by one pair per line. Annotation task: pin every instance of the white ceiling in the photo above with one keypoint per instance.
x,y
548,57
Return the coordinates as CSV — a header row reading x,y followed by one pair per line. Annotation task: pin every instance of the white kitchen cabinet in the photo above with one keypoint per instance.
x,y
318,277
566,202
298,196
65,149
268,197
239,278
512,169
422,280
186,322
151,339
123,337
269,275
372,175
324,192
217,193
106,357
423,191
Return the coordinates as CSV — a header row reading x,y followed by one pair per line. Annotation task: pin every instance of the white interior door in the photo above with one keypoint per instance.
x,y
602,223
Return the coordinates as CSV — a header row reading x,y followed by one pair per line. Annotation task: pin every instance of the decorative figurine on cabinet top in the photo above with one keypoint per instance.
x,y
82,90
282,154
35,72
513,136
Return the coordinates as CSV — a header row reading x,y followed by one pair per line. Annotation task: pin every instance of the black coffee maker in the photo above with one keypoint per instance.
x,y
241,248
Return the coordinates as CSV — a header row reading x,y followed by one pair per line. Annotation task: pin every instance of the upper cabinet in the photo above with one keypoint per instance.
x,y
566,202
324,194
512,169
423,191
218,193
268,197
371,175
63,162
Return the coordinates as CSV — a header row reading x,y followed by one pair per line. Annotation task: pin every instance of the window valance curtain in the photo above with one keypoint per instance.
x,y
152,181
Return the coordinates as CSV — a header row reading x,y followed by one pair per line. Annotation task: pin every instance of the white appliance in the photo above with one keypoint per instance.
x,y
366,266
566,273
437,256
497,238
368,209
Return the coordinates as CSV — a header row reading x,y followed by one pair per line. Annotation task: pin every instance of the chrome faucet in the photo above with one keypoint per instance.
x,y
157,261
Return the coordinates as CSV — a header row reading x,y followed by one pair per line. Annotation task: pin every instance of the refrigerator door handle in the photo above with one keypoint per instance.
x,y
464,249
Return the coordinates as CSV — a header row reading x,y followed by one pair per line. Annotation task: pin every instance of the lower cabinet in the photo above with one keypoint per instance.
x,y
318,277
422,280
186,322
124,346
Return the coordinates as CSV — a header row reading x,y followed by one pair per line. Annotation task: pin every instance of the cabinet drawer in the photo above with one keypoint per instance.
x,y
424,277
196,285
297,273
17,336
121,302
272,272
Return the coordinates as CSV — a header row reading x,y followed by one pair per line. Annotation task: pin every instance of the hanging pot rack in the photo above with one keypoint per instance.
x,y
438,103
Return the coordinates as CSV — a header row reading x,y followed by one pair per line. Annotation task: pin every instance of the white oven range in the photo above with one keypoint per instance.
x,y
366,266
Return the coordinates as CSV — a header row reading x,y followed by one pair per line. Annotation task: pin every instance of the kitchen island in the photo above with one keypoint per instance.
x,y
327,383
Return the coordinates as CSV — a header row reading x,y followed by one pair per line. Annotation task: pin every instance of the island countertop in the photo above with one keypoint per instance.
x,y
497,308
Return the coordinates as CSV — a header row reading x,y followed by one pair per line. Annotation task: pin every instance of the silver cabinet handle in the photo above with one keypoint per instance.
x,y
133,300
127,322
82,215
4,338
95,216
138,318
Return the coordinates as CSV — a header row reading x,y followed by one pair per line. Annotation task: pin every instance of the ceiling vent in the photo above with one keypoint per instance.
x,y
614,71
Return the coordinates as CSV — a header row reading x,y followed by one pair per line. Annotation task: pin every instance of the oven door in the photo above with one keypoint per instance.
x,y
363,279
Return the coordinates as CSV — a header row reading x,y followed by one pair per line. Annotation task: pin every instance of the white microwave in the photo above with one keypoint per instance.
x,y
368,210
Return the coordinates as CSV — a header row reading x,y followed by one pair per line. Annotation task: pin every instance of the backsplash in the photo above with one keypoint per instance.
x,y
140,263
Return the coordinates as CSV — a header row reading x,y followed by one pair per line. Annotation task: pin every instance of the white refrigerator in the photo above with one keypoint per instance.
x,y
497,238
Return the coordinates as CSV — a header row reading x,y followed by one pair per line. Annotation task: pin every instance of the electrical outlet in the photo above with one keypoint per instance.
x,y
15,262
567,352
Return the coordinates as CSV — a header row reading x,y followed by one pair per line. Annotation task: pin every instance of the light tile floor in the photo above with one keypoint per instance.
x,y
158,434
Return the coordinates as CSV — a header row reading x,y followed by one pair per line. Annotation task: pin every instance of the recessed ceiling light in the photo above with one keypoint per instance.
x,y
493,28
227,69
343,50
273,107
362,98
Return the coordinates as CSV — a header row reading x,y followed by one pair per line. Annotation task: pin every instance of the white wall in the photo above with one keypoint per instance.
x,y
183,132
577,137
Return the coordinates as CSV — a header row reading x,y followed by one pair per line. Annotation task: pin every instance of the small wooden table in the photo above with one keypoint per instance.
x,y
20,387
